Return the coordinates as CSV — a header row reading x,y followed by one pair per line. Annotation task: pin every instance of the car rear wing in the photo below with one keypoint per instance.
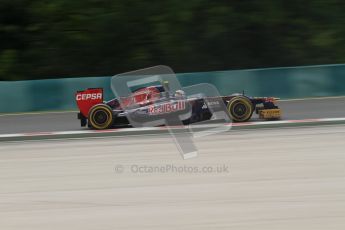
x,y
87,98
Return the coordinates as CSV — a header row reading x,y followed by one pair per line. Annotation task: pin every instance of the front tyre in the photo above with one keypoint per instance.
x,y
240,109
101,117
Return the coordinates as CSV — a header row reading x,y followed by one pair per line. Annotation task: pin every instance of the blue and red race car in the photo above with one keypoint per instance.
x,y
154,102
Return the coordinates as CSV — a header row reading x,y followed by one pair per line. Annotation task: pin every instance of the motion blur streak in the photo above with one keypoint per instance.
x,y
290,178
41,39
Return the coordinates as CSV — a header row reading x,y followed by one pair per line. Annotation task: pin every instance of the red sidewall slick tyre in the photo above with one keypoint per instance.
x,y
240,109
100,117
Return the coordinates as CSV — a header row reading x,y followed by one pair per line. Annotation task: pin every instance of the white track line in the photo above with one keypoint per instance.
x,y
38,113
313,98
132,130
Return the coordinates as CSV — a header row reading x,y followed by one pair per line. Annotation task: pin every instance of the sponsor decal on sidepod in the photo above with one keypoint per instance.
x,y
167,108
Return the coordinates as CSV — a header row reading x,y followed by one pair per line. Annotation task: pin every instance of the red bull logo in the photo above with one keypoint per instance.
x,y
167,108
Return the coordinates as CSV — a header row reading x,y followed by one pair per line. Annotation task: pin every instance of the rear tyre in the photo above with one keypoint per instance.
x,y
101,117
240,109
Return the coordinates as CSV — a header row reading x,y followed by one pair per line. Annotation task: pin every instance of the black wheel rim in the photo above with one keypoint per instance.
x,y
100,117
240,110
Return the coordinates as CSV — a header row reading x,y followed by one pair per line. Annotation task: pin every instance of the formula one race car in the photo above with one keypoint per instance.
x,y
153,102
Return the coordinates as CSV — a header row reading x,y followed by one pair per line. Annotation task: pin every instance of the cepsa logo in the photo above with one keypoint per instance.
x,y
167,108
88,96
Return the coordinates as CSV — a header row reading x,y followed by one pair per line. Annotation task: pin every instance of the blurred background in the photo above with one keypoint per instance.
x,y
63,38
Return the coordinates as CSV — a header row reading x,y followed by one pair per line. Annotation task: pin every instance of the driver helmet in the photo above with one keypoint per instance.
x,y
180,93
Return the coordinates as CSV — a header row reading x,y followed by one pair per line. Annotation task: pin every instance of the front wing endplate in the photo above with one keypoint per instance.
x,y
270,114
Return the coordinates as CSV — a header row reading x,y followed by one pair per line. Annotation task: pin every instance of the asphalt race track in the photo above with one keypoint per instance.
x,y
267,178
288,178
67,121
